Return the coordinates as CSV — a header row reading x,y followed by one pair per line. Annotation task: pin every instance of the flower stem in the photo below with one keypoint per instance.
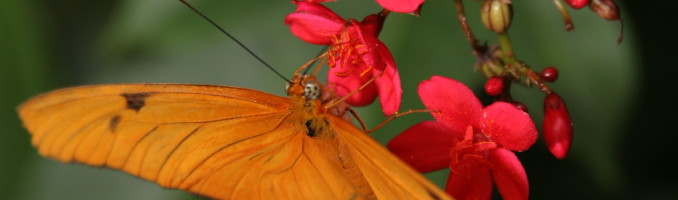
x,y
569,26
506,47
517,68
384,13
510,63
477,50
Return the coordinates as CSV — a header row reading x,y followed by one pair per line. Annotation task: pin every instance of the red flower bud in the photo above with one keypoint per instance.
x,y
606,9
520,106
577,4
557,127
494,86
549,74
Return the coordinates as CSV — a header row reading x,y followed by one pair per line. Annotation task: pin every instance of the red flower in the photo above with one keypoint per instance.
x,y
401,6
476,143
356,54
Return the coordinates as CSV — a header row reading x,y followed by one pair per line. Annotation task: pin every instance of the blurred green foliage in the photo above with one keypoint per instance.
x,y
46,45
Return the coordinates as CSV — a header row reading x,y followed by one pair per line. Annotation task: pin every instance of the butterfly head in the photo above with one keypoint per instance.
x,y
306,86
306,96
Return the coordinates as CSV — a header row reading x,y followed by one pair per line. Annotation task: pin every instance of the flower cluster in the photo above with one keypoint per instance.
x,y
356,55
476,143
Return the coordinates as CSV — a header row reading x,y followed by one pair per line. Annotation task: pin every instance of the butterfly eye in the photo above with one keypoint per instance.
x,y
311,91
287,88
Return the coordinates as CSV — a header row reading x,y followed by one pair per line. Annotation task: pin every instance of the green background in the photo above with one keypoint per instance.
x,y
617,94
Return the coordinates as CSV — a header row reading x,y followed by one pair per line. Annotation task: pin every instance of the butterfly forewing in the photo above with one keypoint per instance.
x,y
216,141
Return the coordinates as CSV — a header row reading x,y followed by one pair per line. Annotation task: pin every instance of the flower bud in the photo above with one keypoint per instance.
x,y
494,86
549,74
557,127
490,67
606,9
577,4
496,15
520,106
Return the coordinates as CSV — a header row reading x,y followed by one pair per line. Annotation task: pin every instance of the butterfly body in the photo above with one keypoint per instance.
x,y
222,142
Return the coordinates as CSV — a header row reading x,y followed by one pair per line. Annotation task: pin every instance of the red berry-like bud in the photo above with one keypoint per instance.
x,y
577,4
557,127
520,106
494,86
606,9
549,74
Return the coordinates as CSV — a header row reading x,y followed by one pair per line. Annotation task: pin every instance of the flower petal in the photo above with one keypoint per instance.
x,y
424,146
509,175
372,24
401,6
388,83
314,23
451,102
509,126
345,79
318,0
475,182
317,9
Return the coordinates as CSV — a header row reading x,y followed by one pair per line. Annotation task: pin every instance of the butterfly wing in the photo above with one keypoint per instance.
x,y
216,141
387,175
176,135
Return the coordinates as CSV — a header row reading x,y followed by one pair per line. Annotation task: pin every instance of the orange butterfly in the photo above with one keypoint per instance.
x,y
223,142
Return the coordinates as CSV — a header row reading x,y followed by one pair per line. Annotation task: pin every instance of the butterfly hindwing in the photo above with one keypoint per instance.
x,y
387,175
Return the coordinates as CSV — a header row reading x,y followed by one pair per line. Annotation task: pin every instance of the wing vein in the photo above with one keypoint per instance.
x,y
327,183
135,147
70,138
222,119
294,162
79,142
162,166
231,144
267,149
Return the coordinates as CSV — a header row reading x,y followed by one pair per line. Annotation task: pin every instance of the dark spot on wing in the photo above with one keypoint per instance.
x,y
136,101
113,123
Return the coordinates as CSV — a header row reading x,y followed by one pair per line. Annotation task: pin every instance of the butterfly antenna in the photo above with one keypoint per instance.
x,y
233,38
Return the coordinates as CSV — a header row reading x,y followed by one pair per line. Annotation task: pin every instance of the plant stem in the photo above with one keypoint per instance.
x,y
569,26
506,47
477,50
